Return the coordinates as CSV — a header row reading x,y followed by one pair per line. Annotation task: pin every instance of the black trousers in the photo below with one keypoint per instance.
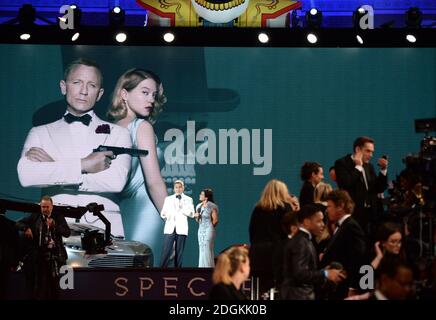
x,y
42,276
170,242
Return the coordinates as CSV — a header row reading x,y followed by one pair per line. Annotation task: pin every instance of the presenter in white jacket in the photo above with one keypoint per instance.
x,y
176,210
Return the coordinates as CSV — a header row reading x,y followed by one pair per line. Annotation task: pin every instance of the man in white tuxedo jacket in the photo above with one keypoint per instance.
x,y
59,156
176,210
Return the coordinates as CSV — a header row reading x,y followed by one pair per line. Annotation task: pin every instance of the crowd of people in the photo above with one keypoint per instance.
x,y
311,247
322,247
62,158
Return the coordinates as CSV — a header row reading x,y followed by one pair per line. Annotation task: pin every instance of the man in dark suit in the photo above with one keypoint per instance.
x,y
356,175
301,273
347,246
311,173
45,252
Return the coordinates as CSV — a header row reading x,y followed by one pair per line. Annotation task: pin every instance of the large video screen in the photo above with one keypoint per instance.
x,y
234,119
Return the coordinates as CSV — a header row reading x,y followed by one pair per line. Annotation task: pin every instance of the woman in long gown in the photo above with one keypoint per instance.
x,y
137,100
207,218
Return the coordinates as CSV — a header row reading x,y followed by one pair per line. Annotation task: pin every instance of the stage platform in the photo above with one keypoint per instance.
x,y
127,284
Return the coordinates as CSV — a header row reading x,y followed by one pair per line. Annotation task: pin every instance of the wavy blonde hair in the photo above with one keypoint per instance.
x,y
321,192
129,81
228,263
274,195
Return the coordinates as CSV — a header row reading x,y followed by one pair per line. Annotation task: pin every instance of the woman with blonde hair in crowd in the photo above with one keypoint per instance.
x,y
231,270
267,236
136,102
322,190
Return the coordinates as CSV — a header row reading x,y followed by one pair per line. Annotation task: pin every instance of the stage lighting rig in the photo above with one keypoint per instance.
x,y
314,18
413,18
117,17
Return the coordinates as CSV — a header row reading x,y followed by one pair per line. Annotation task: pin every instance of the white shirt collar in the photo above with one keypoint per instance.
x,y
341,220
90,112
306,231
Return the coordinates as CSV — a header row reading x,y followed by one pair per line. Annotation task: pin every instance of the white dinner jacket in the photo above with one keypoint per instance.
x,y
175,212
63,178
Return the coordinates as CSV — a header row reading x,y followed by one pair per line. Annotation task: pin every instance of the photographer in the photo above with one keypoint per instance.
x,y
45,252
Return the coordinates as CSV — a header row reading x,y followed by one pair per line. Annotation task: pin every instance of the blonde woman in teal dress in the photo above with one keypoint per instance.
x,y
206,214
137,100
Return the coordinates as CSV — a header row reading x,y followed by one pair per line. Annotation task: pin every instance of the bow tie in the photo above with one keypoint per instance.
x,y
85,119
179,196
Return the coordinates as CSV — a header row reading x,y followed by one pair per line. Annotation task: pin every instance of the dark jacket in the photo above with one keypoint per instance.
x,y
301,273
222,291
267,237
35,223
351,180
348,247
307,193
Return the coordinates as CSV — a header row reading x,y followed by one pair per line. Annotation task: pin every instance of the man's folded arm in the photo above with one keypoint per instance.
x,y
40,174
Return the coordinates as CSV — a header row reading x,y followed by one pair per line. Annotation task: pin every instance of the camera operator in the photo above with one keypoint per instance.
x,y
45,252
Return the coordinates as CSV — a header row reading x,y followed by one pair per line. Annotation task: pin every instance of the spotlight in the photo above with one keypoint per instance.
x,y
169,37
314,18
27,15
75,36
25,36
76,19
26,20
71,22
312,38
359,39
411,38
413,18
121,37
77,15
358,14
263,37
117,17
